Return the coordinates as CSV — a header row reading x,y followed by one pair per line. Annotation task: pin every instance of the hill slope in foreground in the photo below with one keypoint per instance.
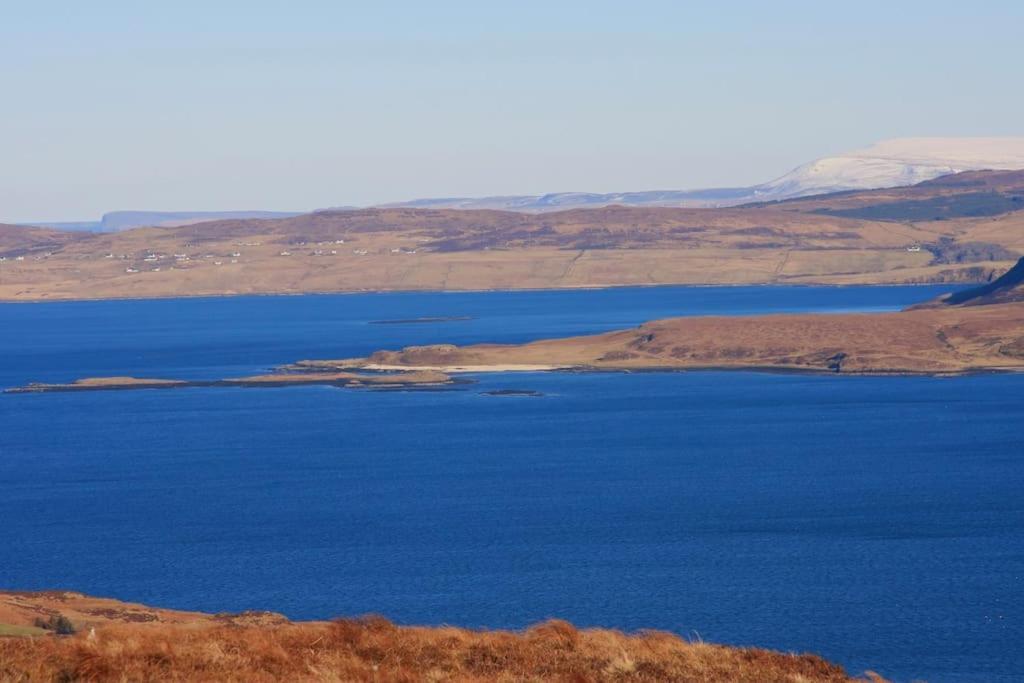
x,y
963,228
121,641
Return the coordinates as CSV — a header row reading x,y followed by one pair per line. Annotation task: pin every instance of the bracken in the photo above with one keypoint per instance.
x,y
374,649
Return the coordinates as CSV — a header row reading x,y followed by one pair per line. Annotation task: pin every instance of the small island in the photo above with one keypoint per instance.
x,y
381,380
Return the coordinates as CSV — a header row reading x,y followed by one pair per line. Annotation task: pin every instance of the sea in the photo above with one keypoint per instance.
x,y
876,521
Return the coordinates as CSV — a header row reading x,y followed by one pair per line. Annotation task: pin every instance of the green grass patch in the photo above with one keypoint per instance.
x,y
11,630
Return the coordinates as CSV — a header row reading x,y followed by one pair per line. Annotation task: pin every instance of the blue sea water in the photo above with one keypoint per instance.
x,y
876,521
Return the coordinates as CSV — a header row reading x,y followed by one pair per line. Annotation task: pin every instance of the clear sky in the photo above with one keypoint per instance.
x,y
306,104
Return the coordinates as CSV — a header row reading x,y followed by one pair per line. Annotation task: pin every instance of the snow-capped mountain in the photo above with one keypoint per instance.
x,y
892,163
896,163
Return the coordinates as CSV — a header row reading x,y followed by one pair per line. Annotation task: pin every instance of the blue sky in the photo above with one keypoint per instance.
x,y
299,105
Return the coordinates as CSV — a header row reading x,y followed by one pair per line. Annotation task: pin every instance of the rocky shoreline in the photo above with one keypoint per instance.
x,y
397,380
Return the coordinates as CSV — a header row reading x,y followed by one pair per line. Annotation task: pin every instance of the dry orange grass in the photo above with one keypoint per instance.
x,y
373,649
934,340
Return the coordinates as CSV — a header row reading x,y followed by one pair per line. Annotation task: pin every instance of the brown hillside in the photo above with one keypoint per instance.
x,y
1007,184
1007,288
18,240
966,228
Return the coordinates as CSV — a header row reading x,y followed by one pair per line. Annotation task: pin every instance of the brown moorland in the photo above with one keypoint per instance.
x,y
968,227
927,341
119,641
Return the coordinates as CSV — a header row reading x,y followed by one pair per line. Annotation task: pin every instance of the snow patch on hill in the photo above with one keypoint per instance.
x,y
896,163
892,163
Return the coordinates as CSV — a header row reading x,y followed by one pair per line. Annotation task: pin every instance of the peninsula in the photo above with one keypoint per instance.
x,y
975,330
927,341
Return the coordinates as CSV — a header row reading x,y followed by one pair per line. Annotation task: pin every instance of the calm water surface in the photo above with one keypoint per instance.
x,y
877,521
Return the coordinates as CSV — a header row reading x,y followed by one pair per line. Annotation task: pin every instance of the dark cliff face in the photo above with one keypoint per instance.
x,y
1009,287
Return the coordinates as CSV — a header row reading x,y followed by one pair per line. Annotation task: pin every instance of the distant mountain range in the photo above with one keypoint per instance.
x,y
965,227
115,221
892,163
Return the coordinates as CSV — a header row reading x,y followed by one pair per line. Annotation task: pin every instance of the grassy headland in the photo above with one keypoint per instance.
x,y
126,642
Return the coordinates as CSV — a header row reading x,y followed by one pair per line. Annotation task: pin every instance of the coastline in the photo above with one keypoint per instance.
x,y
771,369
499,290
923,340
452,379
412,379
